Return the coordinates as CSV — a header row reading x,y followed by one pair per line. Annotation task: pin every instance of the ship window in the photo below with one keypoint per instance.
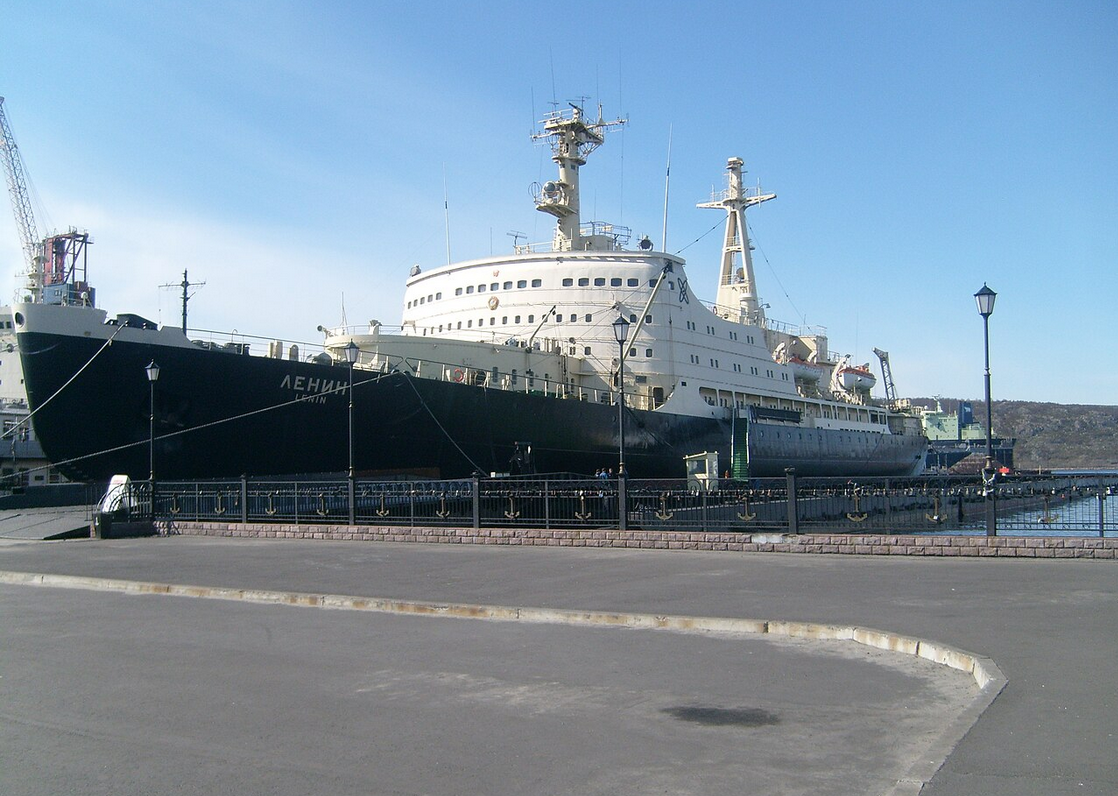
x,y
481,288
615,282
537,283
648,319
459,324
495,286
683,384
440,328
671,285
522,283
559,318
516,319
531,319
492,321
648,352
430,298
599,281
506,286
632,352
469,324
422,300
469,288
438,296
589,317
583,281
633,282
568,282
458,291
586,351
632,318
504,319
512,380
652,283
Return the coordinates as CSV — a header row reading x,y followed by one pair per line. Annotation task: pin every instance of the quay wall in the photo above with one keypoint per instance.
x,y
840,544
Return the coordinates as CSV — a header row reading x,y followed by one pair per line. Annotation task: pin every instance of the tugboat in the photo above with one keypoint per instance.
x,y
512,363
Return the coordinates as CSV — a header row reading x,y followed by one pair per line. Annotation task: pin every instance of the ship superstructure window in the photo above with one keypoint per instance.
x,y
516,319
430,298
507,286
691,325
648,352
537,283
458,291
469,288
752,370
733,335
568,282
522,283
749,339
648,319
559,318
481,288
714,363
422,300
583,281
469,324
589,317
495,286
615,282
632,282
769,373
710,330
737,368
531,319
438,296
586,351
599,281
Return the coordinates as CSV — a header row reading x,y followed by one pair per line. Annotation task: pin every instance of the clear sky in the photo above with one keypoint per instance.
x,y
292,153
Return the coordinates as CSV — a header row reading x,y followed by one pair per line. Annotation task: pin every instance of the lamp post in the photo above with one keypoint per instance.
x,y
351,351
985,300
621,334
152,371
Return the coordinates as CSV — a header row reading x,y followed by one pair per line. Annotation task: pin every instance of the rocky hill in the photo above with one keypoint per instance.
x,y
1052,436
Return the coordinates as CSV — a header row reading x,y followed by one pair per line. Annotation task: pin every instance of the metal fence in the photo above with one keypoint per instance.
x,y
1074,505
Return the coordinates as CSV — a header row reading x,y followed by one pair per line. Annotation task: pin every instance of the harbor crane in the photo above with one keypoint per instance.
x,y
56,266
887,375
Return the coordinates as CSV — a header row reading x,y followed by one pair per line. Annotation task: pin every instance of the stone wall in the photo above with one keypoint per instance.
x,y
1000,546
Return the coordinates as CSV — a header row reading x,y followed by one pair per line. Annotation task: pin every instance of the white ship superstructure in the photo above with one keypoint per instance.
x,y
542,321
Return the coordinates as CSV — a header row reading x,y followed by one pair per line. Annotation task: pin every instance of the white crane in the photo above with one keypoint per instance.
x,y
21,205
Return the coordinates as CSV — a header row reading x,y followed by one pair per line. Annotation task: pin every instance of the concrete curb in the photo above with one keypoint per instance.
x,y
987,676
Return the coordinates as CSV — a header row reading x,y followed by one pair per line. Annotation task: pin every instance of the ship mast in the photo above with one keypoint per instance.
x,y
737,288
571,139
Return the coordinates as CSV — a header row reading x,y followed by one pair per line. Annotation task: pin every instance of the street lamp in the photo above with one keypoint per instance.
x,y
985,300
152,371
351,351
621,334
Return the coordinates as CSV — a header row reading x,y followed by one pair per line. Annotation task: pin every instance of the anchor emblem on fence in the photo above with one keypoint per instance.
x,y
582,513
383,510
745,514
271,510
936,517
855,516
663,513
512,513
175,504
219,506
442,513
1047,518
321,511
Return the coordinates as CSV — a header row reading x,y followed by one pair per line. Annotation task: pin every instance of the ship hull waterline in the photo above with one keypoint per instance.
x,y
220,414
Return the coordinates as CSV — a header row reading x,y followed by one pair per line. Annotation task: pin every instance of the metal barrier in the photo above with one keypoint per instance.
x,y
1040,505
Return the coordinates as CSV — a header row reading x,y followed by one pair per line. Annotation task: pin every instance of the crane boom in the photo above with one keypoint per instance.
x,y
887,374
21,202
17,187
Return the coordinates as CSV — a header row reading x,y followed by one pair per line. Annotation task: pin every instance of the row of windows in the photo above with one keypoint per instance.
x,y
711,330
470,289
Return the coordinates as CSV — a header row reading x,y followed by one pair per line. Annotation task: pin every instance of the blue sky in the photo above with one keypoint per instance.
x,y
292,153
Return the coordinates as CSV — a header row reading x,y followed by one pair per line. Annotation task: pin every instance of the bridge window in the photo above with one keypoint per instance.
x,y
583,281
568,282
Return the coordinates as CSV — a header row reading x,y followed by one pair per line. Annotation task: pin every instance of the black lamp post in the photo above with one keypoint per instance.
x,y
985,300
351,352
621,334
152,371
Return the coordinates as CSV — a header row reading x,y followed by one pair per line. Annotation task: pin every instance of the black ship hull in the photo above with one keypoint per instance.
x,y
220,414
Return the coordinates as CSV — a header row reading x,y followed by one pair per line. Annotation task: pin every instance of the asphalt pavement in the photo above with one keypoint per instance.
x,y
339,702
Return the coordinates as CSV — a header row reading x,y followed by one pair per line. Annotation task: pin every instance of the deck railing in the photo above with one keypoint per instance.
x,y
1035,505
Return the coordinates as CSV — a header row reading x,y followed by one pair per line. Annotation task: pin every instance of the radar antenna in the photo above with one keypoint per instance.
x,y
186,284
